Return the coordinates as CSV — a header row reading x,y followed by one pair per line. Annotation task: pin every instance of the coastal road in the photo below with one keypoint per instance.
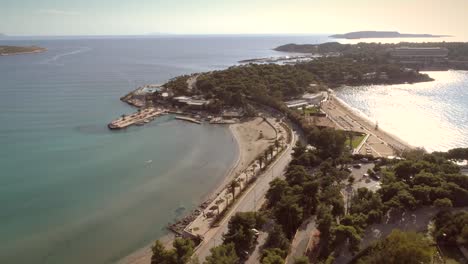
x,y
251,200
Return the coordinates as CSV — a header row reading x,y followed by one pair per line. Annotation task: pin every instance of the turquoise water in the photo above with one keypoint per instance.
x,y
71,191
432,115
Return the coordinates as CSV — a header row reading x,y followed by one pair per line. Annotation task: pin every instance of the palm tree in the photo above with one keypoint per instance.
x,y
265,156
277,144
260,161
232,188
271,148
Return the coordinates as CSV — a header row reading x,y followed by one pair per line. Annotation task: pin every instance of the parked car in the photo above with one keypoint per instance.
x,y
375,177
255,231
357,166
348,169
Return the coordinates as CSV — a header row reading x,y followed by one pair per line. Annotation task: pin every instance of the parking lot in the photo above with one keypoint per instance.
x,y
361,181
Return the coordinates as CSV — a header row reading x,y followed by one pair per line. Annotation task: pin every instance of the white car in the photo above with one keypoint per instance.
x,y
255,231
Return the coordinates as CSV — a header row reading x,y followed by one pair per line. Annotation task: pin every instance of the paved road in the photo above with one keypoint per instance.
x,y
251,200
301,240
255,256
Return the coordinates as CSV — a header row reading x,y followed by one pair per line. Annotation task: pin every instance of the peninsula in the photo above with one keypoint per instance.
x,y
382,34
320,198
417,56
16,50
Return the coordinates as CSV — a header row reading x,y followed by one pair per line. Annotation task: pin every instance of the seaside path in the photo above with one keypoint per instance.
x,y
251,200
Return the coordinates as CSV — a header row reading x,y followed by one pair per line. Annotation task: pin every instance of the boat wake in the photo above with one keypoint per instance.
x,y
54,60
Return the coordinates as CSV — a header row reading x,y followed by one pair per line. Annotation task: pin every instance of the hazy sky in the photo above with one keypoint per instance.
x,y
121,17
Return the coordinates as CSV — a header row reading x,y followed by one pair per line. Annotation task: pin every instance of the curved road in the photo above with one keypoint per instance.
x,y
251,200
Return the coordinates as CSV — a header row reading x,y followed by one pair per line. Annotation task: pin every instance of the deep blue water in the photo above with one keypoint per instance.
x,y
73,192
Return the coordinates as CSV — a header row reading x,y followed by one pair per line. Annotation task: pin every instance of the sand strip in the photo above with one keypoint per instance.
x,y
250,145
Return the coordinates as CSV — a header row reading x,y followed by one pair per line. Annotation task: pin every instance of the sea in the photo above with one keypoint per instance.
x,y
71,191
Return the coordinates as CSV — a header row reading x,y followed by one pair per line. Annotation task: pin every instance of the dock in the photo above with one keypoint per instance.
x,y
189,119
139,118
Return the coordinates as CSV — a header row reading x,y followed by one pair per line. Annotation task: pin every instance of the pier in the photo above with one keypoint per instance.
x,y
189,119
139,118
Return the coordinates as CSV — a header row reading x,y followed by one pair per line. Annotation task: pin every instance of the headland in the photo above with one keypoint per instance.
x,y
17,50
259,102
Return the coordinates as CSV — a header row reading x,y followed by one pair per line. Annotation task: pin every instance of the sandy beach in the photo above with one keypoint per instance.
x,y
250,145
379,143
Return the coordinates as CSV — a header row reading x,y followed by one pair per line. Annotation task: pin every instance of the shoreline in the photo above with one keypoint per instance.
x,y
23,52
380,141
143,255
359,115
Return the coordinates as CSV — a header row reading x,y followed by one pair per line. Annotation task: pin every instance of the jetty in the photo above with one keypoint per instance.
x,y
141,117
189,119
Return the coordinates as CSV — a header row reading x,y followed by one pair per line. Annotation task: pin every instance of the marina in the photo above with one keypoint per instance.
x,y
189,119
141,117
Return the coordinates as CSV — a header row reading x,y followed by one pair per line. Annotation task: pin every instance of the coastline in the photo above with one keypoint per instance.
x,y
245,134
23,52
380,141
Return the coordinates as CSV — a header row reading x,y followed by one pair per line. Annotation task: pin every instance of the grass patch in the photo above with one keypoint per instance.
x,y
308,111
357,139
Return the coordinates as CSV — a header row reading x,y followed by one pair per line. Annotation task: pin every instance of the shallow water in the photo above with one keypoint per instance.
x,y
71,191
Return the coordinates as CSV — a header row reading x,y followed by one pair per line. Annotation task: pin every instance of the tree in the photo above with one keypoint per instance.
x,y
160,254
277,144
451,227
272,256
288,214
277,239
278,188
345,233
232,187
240,231
261,159
443,203
324,221
271,148
400,248
183,250
351,180
302,260
310,192
223,254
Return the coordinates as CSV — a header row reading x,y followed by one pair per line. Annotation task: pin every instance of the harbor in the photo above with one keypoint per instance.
x,y
141,117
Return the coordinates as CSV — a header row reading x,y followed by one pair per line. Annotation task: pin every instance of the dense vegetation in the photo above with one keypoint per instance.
x,y
457,50
271,84
311,188
451,228
180,254
400,248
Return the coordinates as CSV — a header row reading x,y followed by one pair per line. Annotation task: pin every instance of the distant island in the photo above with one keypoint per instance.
x,y
16,50
382,34
2,35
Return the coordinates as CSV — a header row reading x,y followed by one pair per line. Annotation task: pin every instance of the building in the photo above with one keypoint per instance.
x,y
190,102
296,103
424,57
313,99
412,53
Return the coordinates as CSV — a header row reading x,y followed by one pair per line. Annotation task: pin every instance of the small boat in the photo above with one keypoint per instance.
x,y
148,161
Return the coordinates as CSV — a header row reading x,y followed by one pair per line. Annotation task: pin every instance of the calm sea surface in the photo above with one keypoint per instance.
x,y
433,115
71,191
